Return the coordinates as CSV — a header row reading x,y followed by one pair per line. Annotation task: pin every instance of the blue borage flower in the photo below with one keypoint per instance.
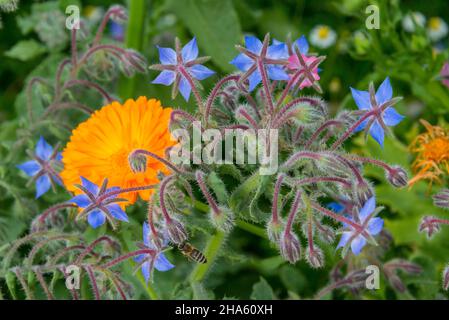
x,y
41,168
382,100
117,30
147,261
372,226
95,207
337,207
177,66
301,43
255,51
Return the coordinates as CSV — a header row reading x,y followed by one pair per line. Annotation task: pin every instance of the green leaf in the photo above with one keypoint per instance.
x,y
262,291
215,24
26,50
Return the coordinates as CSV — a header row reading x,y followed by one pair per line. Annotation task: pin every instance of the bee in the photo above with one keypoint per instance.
x,y
191,252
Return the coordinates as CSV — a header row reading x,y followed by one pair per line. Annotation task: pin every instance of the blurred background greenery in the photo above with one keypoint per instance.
x,y
250,267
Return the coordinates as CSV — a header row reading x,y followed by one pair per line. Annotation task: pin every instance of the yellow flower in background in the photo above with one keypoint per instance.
x,y
99,147
432,154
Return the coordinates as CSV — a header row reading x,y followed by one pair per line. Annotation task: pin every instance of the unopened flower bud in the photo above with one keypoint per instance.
x,y
446,278
137,162
290,247
224,220
119,14
274,230
326,234
315,257
396,282
307,115
176,231
362,192
136,60
441,199
429,225
397,177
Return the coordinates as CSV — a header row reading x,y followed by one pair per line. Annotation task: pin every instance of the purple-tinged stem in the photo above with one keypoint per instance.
x,y
151,218
266,86
160,159
301,154
74,50
288,86
93,282
336,217
293,211
61,67
55,208
126,190
348,133
321,129
106,17
162,188
127,256
213,94
192,84
181,113
43,284
248,117
291,104
66,105
91,247
277,189
210,200
107,47
313,180
89,84
297,134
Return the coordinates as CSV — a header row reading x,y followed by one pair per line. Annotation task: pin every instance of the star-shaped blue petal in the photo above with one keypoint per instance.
x,y
41,169
95,209
181,68
373,226
161,263
389,116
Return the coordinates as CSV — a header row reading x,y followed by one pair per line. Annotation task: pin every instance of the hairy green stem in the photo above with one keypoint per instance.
x,y
211,252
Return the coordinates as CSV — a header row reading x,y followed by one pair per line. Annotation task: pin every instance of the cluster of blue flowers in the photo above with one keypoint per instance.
x,y
180,68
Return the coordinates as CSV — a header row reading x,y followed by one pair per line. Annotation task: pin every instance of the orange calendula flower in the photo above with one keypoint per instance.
x,y
100,147
432,150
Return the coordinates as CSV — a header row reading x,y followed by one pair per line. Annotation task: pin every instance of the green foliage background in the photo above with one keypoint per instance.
x,y
247,267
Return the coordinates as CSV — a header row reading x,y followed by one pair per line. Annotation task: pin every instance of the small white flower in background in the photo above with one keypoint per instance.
x,y
437,28
93,14
322,36
412,20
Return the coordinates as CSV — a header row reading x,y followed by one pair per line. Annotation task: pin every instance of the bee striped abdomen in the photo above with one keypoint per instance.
x,y
192,253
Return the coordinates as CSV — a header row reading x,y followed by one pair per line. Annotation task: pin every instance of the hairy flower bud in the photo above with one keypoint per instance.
x,y
315,256
397,177
362,192
137,162
224,220
429,225
274,230
326,233
290,247
441,199
118,14
136,60
176,231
